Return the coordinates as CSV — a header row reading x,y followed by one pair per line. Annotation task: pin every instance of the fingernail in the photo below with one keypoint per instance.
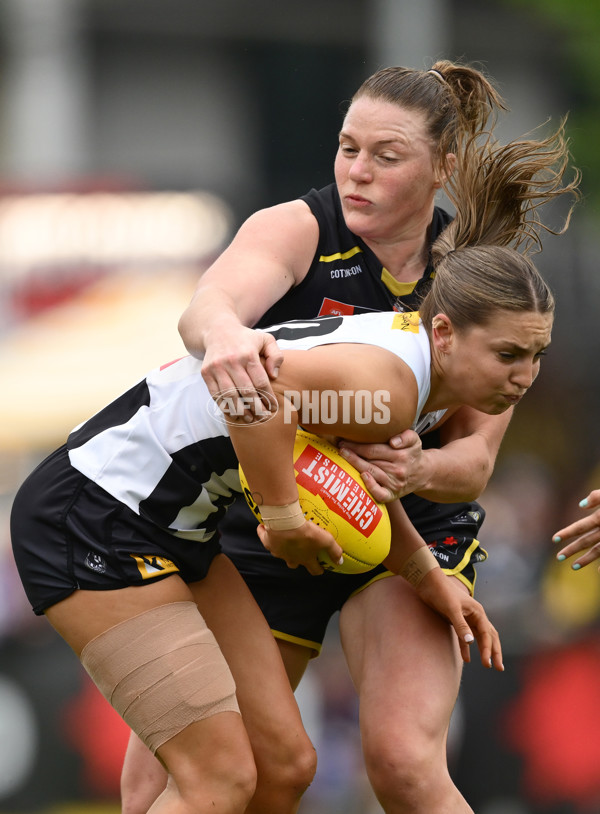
x,y
469,638
576,566
557,539
561,557
583,503
340,561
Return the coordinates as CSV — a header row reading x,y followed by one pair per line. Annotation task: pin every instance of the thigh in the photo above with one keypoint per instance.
x,y
403,658
86,614
263,689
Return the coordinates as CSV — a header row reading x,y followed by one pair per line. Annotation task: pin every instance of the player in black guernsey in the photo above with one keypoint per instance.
x,y
364,244
298,609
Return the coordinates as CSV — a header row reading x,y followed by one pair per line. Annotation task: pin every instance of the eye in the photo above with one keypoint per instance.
x,y
507,356
346,149
540,354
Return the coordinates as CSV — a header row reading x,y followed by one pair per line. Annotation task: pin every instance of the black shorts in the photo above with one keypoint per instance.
x,y
298,606
68,533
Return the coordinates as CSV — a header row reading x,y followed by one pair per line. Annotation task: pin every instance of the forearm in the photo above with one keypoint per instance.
x,y
405,539
210,314
265,452
456,472
461,468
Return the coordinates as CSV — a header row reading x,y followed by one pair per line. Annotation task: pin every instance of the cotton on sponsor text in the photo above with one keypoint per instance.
x,y
337,274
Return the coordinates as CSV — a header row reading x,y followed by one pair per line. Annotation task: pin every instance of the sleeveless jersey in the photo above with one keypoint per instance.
x,y
345,276
163,447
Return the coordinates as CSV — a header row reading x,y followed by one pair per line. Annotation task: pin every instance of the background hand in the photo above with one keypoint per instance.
x,y
582,535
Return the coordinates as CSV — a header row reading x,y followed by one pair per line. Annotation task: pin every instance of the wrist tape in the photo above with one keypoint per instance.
x,y
281,518
420,562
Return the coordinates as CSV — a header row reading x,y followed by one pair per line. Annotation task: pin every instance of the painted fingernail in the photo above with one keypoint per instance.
x,y
583,503
469,638
561,557
576,566
557,539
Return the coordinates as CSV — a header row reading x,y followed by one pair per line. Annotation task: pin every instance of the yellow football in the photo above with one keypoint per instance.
x,y
333,496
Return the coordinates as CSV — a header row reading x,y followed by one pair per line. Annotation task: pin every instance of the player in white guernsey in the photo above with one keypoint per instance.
x,y
112,532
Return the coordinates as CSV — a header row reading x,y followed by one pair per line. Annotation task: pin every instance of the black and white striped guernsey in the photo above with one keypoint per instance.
x,y
163,447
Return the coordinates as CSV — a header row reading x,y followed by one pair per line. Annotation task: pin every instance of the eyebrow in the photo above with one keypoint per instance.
x,y
380,143
514,347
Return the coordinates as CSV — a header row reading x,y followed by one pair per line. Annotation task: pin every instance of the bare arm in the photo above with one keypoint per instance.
x,y
444,595
458,471
265,449
270,254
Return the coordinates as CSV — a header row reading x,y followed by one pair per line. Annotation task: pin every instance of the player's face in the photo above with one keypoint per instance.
x,y
384,171
490,367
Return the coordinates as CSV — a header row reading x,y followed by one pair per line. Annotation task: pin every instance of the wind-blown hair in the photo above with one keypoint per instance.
x,y
497,192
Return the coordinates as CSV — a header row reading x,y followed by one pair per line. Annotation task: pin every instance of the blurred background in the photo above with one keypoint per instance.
x,y
135,135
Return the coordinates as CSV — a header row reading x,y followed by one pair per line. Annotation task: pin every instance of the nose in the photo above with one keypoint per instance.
x,y
360,169
523,375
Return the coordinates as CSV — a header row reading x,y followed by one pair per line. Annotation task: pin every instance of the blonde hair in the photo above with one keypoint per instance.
x,y
497,192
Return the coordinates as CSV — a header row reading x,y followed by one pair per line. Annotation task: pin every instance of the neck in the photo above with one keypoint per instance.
x,y
406,261
441,397
405,256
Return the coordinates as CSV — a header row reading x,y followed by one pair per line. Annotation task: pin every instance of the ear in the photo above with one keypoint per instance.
x,y
445,170
442,333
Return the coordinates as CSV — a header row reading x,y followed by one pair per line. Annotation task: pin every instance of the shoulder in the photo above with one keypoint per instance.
x,y
292,216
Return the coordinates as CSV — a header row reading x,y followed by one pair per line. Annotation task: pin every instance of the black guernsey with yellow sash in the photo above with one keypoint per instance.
x,y
345,277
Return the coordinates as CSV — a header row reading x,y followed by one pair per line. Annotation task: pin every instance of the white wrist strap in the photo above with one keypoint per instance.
x,y
281,518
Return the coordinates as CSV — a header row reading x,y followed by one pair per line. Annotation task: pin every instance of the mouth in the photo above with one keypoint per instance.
x,y
512,399
357,200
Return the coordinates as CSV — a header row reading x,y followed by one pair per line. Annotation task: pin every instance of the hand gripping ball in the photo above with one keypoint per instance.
x,y
333,496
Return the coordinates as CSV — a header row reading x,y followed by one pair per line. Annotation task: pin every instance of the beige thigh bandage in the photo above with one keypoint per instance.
x,y
161,671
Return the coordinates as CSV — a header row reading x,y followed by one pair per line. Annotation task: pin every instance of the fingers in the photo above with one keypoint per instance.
x,y
302,546
388,470
377,488
586,544
465,614
486,636
241,371
272,356
366,454
384,486
582,535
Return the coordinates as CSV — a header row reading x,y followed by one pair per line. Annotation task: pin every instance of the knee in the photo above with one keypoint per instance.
x,y
240,787
400,771
229,787
287,767
227,793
